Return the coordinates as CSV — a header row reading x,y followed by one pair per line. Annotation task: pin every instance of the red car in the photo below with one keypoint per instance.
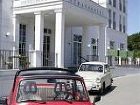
x,y
47,86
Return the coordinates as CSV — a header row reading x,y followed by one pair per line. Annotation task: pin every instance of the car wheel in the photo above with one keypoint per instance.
x,y
103,88
109,87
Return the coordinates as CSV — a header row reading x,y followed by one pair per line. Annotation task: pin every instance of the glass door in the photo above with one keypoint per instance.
x,y
77,46
46,47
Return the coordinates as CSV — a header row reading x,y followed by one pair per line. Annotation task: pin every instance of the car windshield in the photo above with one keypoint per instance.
x,y
91,67
43,90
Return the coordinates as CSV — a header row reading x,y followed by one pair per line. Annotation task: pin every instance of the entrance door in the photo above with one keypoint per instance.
x,y
77,43
46,50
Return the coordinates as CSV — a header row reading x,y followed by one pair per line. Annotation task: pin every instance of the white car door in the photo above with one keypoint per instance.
x,y
107,76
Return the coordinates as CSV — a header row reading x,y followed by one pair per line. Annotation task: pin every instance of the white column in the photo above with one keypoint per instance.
x,y
130,60
120,61
59,38
102,49
39,31
86,44
15,38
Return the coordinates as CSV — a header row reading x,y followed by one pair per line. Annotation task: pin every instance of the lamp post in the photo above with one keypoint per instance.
x,y
118,55
89,46
107,56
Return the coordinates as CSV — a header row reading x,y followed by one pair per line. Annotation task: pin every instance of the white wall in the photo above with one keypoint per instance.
x,y
118,13
68,47
117,37
6,25
88,33
0,20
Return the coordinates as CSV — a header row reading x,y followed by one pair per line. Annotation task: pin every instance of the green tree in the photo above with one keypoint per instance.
x,y
134,44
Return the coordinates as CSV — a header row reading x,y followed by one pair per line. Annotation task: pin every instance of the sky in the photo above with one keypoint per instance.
x,y
133,16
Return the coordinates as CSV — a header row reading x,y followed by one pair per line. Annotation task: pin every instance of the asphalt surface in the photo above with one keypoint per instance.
x,y
123,71
125,91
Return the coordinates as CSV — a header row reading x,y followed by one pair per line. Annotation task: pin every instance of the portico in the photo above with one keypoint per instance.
x,y
58,18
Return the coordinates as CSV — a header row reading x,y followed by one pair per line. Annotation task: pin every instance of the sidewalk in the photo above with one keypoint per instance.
x,y
124,70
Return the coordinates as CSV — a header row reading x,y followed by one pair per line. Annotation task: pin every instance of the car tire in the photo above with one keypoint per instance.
x,y
109,87
102,90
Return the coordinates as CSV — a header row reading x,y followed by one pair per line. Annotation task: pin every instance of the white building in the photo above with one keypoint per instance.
x,y
116,31
59,33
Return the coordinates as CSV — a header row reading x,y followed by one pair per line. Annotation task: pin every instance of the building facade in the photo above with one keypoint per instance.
x,y
61,33
6,26
116,30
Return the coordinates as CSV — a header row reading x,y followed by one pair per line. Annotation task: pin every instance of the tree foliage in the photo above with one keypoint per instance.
x,y
134,44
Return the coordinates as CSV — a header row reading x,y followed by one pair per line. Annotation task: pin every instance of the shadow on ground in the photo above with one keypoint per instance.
x,y
107,91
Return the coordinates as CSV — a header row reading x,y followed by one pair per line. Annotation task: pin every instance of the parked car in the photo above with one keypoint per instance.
x,y
97,75
48,86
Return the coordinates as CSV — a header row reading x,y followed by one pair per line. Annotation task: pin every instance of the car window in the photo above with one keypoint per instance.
x,y
91,67
107,68
51,90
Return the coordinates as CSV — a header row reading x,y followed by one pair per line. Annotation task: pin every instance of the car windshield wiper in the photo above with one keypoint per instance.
x,y
36,101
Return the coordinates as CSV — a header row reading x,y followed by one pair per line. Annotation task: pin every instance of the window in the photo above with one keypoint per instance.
x,y
112,44
91,67
120,24
124,7
22,44
46,46
77,42
47,31
121,46
120,5
93,41
114,3
54,89
94,46
109,20
114,20
124,28
22,40
110,2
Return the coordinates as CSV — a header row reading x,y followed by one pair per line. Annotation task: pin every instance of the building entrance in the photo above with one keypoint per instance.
x,y
77,46
46,48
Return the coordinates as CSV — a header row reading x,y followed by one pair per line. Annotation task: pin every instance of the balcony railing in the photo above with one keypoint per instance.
x,y
13,60
8,59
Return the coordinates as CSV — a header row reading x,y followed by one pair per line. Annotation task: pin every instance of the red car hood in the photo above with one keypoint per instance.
x,y
56,103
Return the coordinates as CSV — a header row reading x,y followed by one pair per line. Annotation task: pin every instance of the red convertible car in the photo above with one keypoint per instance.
x,y
47,86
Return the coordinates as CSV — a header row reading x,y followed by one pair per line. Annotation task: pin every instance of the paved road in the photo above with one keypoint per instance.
x,y
6,81
125,91
123,71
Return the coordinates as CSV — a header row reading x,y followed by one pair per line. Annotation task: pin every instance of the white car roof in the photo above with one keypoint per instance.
x,y
95,63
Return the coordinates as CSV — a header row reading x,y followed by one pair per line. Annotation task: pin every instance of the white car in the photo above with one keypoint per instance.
x,y
97,75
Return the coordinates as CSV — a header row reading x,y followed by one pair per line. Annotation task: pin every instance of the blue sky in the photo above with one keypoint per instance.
x,y
133,16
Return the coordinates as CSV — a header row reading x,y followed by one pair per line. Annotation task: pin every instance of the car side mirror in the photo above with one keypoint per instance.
x,y
96,99
3,100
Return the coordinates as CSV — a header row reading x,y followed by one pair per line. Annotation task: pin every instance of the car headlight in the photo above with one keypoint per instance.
x,y
98,80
